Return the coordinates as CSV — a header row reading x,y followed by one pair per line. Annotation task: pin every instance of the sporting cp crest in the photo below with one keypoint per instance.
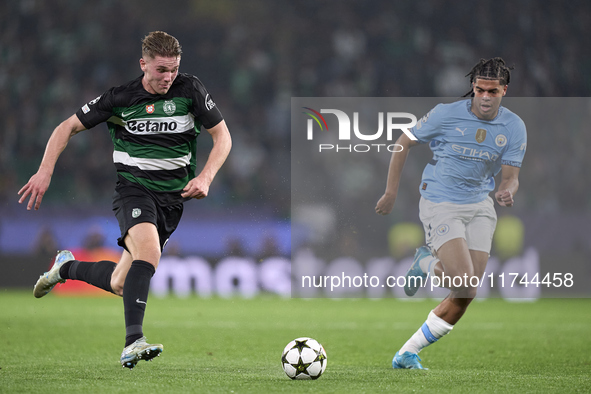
x,y
169,107
480,135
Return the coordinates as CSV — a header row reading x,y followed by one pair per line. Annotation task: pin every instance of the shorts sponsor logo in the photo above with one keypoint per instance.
x,y
136,212
442,229
169,107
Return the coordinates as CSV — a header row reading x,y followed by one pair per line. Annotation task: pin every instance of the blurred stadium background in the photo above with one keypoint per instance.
x,y
253,56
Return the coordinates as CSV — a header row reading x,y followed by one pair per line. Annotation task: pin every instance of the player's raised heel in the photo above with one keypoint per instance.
x,y
139,350
52,277
406,360
415,276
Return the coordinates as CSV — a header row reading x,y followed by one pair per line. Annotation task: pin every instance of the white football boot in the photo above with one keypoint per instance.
x,y
52,277
139,350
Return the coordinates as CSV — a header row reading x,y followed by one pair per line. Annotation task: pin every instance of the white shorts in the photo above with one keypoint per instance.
x,y
446,221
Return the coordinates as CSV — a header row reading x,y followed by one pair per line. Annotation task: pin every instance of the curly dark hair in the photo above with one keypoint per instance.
x,y
494,68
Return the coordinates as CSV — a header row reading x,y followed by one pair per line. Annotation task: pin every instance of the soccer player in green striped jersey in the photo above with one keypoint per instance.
x,y
154,121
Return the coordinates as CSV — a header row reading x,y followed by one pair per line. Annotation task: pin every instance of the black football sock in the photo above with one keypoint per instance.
x,y
97,273
135,298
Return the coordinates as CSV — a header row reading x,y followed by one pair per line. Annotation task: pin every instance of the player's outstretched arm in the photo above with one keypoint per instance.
x,y
198,187
508,186
386,202
39,183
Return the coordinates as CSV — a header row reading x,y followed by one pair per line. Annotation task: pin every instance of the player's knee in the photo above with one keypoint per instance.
x,y
151,256
154,261
117,287
470,293
465,295
459,277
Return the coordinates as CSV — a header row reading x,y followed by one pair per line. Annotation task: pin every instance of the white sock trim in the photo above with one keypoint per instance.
x,y
438,326
432,265
415,343
426,263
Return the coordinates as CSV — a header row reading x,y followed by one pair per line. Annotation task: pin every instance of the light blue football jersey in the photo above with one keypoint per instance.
x,y
467,152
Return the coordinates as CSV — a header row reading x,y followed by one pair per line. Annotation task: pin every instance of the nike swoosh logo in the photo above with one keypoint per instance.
x,y
123,115
141,302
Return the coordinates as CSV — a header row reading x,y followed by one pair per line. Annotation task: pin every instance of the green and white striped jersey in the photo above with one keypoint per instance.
x,y
154,136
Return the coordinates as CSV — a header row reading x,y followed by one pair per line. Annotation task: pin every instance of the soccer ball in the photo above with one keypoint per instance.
x,y
303,358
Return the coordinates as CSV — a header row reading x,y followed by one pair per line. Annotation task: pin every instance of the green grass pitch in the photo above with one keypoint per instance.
x,y
72,345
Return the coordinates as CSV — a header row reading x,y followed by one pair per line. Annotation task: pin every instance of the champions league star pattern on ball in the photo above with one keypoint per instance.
x,y
304,358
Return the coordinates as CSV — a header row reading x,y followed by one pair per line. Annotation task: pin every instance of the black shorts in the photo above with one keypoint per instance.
x,y
133,204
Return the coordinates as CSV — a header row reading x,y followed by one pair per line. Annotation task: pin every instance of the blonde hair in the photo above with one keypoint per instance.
x,y
159,43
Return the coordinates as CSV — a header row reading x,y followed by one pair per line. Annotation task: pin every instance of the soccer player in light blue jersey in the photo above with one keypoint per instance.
x,y
472,140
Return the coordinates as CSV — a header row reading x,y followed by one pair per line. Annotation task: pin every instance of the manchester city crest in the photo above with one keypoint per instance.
x,y
442,229
501,140
169,107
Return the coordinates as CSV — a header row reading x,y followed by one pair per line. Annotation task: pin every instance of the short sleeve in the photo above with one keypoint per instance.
x,y
429,126
514,154
96,111
204,108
